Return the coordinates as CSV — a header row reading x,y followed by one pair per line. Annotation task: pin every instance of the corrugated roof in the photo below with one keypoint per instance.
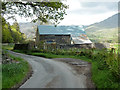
x,y
78,40
49,29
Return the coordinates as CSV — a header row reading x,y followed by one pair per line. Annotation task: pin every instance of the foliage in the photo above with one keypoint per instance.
x,y
42,11
6,32
0,76
11,34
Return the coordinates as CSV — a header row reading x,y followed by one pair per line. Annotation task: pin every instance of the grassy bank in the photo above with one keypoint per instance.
x,y
8,47
14,73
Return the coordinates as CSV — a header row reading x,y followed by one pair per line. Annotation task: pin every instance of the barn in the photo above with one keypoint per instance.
x,y
61,35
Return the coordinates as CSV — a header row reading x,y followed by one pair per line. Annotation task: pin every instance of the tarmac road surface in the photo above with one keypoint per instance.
x,y
48,73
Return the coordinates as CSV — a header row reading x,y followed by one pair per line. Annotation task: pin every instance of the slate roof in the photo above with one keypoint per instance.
x,y
49,29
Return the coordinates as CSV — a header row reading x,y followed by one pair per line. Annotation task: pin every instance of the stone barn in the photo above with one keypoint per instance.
x,y
47,35
60,35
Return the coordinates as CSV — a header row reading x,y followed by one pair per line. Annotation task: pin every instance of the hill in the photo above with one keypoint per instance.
x,y
104,31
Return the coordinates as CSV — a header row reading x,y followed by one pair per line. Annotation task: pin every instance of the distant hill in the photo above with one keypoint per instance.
x,y
111,22
104,31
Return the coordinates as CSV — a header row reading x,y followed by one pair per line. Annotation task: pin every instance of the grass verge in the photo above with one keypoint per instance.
x,y
14,73
7,47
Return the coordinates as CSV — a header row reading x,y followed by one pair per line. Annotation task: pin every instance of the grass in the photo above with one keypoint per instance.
x,y
13,73
103,78
7,47
0,76
50,55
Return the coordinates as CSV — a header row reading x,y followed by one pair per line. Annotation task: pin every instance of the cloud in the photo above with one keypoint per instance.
x,y
103,5
98,0
95,7
86,13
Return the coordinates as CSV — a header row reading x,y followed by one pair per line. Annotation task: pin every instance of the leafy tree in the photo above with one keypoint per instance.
x,y
16,34
16,26
11,34
42,11
6,32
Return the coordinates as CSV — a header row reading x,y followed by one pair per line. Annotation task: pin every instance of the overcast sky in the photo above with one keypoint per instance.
x,y
85,12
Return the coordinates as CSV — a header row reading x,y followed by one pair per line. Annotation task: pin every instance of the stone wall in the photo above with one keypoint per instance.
x,y
21,47
101,45
29,46
86,46
59,39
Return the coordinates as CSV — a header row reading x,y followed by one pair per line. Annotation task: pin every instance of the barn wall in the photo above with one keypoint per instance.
x,y
86,46
59,39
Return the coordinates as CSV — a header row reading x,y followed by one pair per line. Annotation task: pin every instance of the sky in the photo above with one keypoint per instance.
x,y
86,12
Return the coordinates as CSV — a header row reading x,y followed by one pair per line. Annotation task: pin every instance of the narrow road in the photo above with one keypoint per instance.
x,y
48,73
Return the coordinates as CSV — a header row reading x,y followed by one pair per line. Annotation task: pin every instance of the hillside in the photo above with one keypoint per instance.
x,y
104,31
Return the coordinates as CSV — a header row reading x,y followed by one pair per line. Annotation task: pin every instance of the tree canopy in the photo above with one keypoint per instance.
x,y
11,33
42,11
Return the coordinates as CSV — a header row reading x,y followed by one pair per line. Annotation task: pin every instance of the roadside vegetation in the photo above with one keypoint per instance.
x,y
0,76
14,69
8,47
105,63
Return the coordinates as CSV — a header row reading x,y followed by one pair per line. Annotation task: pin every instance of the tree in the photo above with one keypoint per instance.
x,y
16,26
12,33
18,37
42,11
6,32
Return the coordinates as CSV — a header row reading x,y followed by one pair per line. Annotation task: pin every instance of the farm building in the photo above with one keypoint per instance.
x,y
61,35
